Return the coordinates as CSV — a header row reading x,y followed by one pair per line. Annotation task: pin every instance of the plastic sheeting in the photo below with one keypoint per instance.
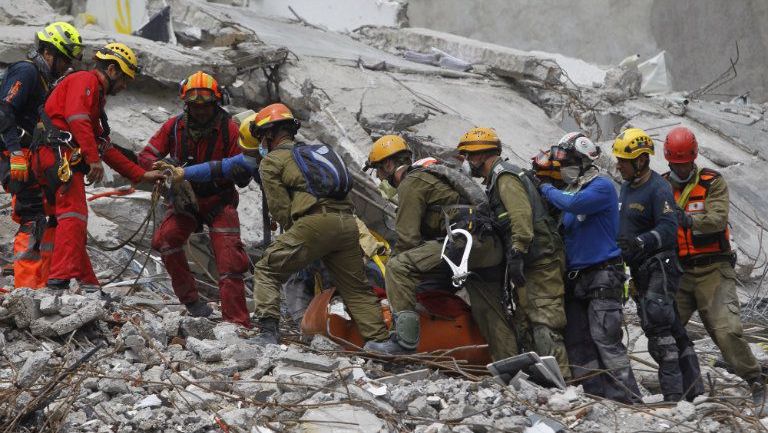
x,y
656,78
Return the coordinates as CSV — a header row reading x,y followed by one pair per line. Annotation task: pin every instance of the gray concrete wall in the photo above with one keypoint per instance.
x,y
698,35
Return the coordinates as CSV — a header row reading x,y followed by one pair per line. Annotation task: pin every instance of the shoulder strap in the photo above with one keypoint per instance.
x,y
707,176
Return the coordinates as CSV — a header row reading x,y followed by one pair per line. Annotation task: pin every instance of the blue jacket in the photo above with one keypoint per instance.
x,y
213,170
648,212
22,93
590,222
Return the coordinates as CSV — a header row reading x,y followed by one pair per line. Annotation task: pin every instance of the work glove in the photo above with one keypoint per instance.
x,y
631,249
240,175
176,174
515,267
19,168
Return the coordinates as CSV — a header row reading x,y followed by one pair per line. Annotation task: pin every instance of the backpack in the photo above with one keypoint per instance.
x,y
474,213
323,169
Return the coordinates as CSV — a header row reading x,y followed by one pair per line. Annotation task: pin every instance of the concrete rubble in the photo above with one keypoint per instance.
x,y
160,370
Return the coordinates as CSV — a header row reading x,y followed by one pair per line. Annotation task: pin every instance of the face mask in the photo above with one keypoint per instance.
x,y
570,174
675,178
251,162
466,168
388,191
263,151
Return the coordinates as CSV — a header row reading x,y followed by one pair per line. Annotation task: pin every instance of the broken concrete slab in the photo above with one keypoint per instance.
x,y
28,13
504,61
340,418
86,314
32,369
207,351
309,361
167,64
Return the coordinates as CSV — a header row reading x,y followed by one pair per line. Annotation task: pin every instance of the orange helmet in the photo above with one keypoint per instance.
x,y
270,115
200,88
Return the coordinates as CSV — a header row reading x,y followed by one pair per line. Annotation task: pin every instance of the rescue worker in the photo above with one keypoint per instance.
x,y
23,91
203,133
425,200
73,139
547,170
533,248
594,283
708,284
318,221
647,238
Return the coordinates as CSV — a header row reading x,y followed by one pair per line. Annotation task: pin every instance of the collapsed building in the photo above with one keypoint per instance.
x,y
135,363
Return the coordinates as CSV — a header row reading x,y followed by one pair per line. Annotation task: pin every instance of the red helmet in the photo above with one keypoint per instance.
x,y
680,146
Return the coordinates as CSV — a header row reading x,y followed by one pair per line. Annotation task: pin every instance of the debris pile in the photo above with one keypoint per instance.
x,y
78,363
135,362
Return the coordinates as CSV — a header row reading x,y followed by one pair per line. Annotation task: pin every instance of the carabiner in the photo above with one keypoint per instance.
x,y
460,271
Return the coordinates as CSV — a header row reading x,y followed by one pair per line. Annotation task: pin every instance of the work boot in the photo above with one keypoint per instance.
x,y
389,346
57,286
269,332
199,308
758,398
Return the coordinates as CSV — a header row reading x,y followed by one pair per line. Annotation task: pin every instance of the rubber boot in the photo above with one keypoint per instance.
x,y
199,308
269,332
58,287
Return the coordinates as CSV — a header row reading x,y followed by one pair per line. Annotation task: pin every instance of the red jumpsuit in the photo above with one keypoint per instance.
x,y
75,105
218,209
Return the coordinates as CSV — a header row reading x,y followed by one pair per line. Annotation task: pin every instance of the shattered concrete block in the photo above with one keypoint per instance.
x,y
685,410
289,377
421,407
455,412
379,111
559,403
32,369
42,327
153,377
226,332
324,344
341,418
207,351
23,307
400,396
309,361
135,342
87,314
113,386
241,419
171,322
410,376
243,354
197,327
50,305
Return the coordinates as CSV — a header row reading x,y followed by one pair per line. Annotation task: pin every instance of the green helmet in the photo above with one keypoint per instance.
x,y
64,37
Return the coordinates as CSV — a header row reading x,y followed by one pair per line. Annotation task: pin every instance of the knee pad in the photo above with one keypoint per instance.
x,y
660,310
663,349
407,328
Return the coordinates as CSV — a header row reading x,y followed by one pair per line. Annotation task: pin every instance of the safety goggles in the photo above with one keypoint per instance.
x,y
74,51
199,96
557,153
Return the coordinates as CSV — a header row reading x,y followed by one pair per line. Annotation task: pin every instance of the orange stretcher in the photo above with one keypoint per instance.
x,y
447,326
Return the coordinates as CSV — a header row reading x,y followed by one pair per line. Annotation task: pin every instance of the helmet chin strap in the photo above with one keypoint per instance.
x,y
637,169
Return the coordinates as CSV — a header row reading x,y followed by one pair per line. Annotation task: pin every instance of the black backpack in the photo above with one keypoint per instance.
x,y
325,172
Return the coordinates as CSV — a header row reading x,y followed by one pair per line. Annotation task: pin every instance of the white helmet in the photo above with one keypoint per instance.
x,y
579,143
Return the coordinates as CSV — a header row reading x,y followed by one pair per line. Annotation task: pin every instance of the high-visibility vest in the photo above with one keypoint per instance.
x,y
692,244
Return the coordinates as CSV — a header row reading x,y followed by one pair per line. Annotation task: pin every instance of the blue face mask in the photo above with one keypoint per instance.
x,y
263,151
251,162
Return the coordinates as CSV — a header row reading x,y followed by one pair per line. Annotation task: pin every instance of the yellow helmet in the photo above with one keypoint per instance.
x,y
246,140
632,143
124,56
384,147
63,36
479,139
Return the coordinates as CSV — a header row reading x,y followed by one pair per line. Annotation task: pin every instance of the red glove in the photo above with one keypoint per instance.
x,y
19,169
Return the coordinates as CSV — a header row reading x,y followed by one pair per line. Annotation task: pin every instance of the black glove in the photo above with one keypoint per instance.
x,y
683,219
240,175
515,267
631,249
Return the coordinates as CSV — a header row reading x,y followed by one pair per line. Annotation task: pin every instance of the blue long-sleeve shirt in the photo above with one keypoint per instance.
x,y
648,212
590,222
213,170
24,91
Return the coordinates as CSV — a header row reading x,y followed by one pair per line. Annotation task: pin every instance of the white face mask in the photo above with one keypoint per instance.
x,y
570,174
251,162
675,178
466,168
